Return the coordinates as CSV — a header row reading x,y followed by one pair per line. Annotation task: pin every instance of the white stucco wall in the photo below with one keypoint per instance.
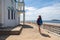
x,y
5,20
0,11
11,22
4,4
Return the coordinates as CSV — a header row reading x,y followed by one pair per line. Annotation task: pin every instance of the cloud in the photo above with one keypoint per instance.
x,y
47,13
30,8
50,12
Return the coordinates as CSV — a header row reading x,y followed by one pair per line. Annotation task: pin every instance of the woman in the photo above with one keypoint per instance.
x,y
39,23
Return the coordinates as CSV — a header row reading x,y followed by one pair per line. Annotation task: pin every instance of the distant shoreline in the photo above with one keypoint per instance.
x,y
44,21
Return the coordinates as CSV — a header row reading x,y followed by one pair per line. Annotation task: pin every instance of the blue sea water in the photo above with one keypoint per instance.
x,y
52,21
47,21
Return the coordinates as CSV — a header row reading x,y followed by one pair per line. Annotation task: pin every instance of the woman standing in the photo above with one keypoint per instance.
x,y
39,23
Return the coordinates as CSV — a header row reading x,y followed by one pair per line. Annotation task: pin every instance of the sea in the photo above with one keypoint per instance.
x,y
44,21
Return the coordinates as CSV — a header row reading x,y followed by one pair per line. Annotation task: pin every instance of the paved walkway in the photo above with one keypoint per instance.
x,y
30,32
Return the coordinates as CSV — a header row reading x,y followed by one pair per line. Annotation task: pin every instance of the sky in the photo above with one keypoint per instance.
x,y
48,9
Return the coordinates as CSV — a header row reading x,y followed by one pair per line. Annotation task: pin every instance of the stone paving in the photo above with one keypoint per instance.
x,y
30,32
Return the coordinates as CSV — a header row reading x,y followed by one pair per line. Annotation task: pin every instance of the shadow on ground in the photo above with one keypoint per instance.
x,y
45,35
27,26
5,36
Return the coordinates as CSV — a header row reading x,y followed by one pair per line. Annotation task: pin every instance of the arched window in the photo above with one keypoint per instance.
x,y
11,13
8,13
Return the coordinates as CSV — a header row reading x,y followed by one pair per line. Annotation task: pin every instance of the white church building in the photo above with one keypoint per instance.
x,y
10,11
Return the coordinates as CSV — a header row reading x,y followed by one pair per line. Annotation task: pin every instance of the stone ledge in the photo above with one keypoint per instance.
x,y
12,31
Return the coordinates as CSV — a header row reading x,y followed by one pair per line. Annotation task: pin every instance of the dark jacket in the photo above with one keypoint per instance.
x,y
39,21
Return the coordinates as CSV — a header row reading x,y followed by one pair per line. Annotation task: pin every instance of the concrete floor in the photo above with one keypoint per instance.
x,y
30,32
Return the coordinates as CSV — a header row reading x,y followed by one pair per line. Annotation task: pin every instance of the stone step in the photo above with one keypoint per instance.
x,y
12,31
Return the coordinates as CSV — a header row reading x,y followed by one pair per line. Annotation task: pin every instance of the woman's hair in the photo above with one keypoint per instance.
x,y
40,16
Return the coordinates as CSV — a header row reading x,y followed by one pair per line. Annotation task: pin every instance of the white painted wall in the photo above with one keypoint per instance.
x,y
4,4
0,11
17,18
7,21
